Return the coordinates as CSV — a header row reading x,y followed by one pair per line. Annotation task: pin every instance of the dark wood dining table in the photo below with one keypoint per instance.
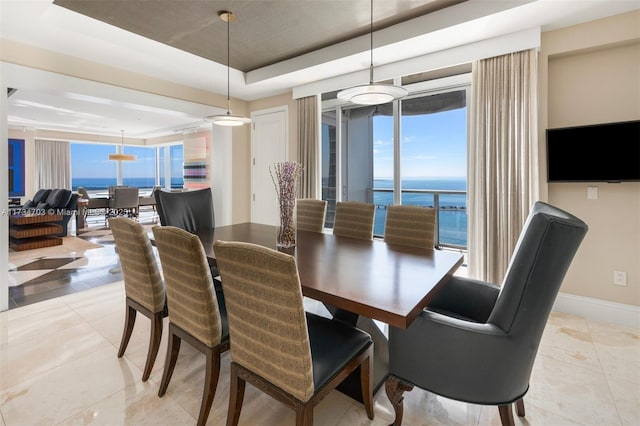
x,y
380,281
357,280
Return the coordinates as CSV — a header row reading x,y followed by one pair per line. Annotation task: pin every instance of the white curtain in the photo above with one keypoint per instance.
x,y
53,164
308,146
503,159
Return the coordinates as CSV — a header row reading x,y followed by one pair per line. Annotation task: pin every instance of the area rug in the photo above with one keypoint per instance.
x,y
69,245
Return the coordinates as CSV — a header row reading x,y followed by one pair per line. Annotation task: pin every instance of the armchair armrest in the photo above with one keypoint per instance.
x,y
466,298
437,353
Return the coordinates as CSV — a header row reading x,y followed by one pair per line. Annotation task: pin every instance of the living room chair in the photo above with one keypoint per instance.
x,y
198,313
477,342
295,357
143,285
412,226
354,219
310,214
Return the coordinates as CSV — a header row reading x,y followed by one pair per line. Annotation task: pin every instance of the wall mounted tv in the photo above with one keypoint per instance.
x,y
597,153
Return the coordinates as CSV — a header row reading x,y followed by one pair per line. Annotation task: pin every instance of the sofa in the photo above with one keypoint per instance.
x,y
60,201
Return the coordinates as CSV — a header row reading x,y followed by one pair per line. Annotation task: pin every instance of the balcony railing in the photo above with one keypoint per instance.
x,y
450,205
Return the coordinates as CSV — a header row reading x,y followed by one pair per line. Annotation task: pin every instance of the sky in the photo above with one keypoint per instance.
x,y
91,161
433,145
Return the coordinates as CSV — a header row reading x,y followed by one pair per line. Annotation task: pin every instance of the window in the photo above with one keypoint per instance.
x,y
359,157
91,167
142,171
171,161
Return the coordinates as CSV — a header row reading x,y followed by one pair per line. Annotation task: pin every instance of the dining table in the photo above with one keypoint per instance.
x,y
359,281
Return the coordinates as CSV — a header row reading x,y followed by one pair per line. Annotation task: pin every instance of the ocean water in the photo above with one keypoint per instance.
x,y
452,216
93,184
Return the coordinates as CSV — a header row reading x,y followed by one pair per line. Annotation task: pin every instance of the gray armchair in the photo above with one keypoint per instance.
x,y
477,342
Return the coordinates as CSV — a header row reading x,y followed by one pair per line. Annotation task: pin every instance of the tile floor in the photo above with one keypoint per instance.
x,y
58,365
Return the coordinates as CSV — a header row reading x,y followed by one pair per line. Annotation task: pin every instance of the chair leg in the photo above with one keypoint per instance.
x,y
304,415
520,407
170,363
366,378
129,322
394,387
506,415
210,384
236,395
154,344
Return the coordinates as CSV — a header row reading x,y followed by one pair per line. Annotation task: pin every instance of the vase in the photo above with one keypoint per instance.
x,y
287,229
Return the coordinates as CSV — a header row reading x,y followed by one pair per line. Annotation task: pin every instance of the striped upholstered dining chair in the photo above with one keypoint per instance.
x,y
354,219
412,226
293,356
198,314
310,214
143,285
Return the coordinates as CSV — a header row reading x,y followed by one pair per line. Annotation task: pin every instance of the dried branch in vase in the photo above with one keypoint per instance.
x,y
284,176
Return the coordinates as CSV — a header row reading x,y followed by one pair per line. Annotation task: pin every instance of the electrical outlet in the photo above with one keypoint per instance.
x,y
619,278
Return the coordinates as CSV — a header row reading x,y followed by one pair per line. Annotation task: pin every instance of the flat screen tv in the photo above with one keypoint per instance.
x,y
597,153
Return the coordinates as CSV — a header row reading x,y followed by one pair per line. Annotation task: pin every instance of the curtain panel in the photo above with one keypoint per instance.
x,y
308,146
503,159
53,164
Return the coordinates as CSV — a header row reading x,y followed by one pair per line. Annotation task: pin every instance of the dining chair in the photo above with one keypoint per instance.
x,y
198,313
143,285
477,342
354,219
293,356
188,210
124,201
412,226
95,203
310,214
149,200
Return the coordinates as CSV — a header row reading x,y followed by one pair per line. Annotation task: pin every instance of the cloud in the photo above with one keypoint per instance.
x,y
409,139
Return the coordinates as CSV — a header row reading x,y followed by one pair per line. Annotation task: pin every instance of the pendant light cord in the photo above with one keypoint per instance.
x,y
371,42
228,63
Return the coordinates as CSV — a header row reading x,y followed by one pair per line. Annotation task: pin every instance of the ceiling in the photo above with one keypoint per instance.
x,y
276,45
264,32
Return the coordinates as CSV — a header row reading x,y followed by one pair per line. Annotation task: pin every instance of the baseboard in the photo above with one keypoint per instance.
x,y
598,310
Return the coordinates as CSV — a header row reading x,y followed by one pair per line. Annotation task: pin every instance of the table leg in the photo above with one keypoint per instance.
x,y
351,385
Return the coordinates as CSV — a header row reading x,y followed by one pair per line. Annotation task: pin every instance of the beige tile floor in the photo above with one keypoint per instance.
x,y
58,365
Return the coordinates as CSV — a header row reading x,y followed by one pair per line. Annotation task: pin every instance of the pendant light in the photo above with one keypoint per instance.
x,y
121,156
372,93
228,119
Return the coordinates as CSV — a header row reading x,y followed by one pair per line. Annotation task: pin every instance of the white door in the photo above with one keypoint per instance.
x,y
269,144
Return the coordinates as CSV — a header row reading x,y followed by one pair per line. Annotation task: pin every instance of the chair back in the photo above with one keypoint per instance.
x,y
548,242
412,226
112,189
189,210
83,192
310,214
125,198
191,297
267,322
354,219
142,280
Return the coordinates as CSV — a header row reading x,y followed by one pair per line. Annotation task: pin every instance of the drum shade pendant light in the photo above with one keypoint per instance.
x,y
372,93
227,119
121,156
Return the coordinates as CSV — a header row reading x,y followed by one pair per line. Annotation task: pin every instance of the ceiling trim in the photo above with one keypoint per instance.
x,y
522,40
